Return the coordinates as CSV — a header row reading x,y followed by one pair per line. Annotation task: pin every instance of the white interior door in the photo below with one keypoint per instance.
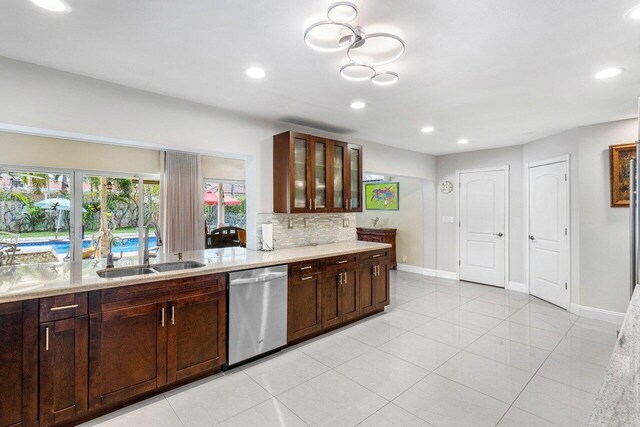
x,y
482,225
548,233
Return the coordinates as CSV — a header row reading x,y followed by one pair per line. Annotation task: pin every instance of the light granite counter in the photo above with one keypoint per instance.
x,y
24,282
618,402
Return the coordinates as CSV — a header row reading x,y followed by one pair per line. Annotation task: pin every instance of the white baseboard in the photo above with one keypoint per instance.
x,y
427,271
517,286
597,313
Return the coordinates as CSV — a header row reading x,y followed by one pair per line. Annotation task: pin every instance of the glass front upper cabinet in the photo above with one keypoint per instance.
x,y
355,175
338,176
300,173
320,174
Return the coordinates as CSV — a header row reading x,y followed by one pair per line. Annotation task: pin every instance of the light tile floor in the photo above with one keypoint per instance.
x,y
444,353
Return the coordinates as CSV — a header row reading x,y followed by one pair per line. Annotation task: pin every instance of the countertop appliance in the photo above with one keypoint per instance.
x,y
257,312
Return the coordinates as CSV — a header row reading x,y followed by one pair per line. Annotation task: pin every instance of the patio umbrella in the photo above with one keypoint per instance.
x,y
211,199
55,204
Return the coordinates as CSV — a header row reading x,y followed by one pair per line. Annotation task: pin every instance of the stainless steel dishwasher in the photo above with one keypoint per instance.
x,y
257,312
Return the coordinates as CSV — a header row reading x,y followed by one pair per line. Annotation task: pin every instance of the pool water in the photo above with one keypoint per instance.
x,y
62,247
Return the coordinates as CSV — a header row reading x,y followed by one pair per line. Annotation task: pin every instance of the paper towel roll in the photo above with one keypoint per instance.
x,y
267,237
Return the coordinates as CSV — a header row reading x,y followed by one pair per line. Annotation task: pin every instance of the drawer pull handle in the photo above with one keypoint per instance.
x,y
344,261
64,307
376,256
307,278
306,268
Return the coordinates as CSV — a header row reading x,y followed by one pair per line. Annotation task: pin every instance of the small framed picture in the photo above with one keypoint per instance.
x,y
619,157
382,196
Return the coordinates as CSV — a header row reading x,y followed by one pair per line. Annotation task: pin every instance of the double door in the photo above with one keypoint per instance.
x,y
313,174
137,348
340,295
374,285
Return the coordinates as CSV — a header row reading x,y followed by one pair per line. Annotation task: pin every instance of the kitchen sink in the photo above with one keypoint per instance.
x,y
124,272
110,273
175,266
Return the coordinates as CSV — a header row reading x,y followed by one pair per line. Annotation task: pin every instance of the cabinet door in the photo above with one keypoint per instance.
x,y
301,174
18,363
338,176
349,296
367,278
304,306
197,331
354,203
127,353
332,298
320,170
381,285
63,369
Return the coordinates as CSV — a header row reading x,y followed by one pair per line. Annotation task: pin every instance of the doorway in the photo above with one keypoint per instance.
x,y
547,241
483,224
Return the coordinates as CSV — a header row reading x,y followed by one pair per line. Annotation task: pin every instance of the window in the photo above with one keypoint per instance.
x,y
235,204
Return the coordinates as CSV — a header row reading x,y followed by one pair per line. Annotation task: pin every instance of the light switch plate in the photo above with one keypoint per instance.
x,y
447,219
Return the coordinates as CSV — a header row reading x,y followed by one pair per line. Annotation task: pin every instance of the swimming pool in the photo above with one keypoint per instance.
x,y
62,247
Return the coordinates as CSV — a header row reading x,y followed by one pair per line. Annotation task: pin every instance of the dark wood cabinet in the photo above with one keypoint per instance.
x,y
143,337
304,306
340,295
380,235
127,353
19,363
314,174
63,369
367,286
381,284
197,335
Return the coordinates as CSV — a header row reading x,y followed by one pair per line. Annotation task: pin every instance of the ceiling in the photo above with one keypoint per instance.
x,y
498,72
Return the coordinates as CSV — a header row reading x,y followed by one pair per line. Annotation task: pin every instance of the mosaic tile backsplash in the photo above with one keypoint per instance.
x,y
319,229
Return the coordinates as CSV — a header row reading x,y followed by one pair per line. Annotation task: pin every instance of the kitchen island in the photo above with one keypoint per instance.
x,y
618,401
75,345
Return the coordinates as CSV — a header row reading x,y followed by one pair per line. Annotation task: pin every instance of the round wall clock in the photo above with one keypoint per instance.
x,y
446,187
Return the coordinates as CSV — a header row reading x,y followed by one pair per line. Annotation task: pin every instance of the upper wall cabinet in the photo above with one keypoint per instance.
x,y
313,174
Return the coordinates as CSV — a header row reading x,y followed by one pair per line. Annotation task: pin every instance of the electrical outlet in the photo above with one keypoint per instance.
x,y
404,258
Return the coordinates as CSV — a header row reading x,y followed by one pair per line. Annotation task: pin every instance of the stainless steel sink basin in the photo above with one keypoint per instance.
x,y
175,266
110,273
124,272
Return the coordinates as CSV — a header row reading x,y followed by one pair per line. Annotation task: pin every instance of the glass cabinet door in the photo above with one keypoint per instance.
x,y
338,176
354,160
320,166
300,179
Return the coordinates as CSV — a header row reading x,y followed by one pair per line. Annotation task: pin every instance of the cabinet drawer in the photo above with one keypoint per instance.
x,y
63,307
342,261
304,268
155,292
374,255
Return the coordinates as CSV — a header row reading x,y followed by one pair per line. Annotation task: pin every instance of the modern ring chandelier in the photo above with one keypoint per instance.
x,y
364,51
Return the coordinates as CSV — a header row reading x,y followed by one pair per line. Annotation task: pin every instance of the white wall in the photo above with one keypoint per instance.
x,y
40,100
409,220
599,233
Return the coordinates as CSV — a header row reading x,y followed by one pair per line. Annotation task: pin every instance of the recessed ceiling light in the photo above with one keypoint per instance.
x,y
633,13
463,141
607,73
255,73
427,129
58,6
358,105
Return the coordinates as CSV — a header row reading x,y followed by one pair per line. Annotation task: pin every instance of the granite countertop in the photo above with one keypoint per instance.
x,y
24,282
618,402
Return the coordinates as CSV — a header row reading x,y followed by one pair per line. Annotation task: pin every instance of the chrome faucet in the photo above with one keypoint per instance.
x,y
110,258
147,255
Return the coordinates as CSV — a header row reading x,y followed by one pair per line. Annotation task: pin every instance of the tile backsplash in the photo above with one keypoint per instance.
x,y
320,228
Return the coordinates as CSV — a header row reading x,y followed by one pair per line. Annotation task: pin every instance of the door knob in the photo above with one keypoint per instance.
x,y
531,238
499,234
